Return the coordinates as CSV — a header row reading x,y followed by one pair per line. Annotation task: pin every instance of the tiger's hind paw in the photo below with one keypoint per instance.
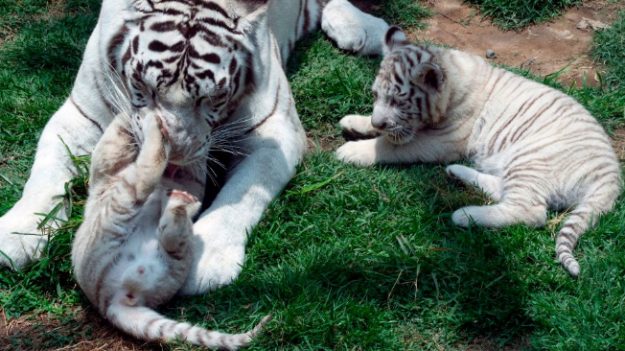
x,y
352,29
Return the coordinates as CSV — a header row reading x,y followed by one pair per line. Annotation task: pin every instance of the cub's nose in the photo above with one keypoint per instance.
x,y
379,123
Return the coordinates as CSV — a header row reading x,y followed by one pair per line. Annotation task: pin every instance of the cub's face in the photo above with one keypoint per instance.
x,y
405,90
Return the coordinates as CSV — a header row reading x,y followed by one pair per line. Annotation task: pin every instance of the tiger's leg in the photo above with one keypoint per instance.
x,y
69,128
489,184
221,231
352,29
519,204
501,215
423,148
358,127
152,159
175,225
114,152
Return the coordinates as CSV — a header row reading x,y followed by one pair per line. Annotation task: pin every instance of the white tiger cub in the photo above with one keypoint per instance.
x,y
202,65
131,252
533,147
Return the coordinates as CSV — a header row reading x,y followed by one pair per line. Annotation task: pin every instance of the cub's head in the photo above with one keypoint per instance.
x,y
406,88
189,62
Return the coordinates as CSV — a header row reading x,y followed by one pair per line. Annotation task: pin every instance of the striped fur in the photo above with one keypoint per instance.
x,y
131,253
213,71
533,147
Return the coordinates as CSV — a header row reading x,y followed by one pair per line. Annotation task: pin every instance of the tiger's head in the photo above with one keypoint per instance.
x,y
406,89
189,62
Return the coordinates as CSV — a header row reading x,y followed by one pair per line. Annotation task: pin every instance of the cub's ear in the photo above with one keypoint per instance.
x,y
430,76
394,38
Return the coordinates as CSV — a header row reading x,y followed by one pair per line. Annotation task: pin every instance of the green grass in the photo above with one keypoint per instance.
x,y
516,14
345,258
608,49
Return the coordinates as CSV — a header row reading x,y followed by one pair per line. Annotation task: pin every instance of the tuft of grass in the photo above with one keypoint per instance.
x,y
516,14
609,50
407,13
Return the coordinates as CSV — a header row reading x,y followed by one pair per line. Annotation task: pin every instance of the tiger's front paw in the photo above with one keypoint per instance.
x,y
215,264
20,244
357,153
357,127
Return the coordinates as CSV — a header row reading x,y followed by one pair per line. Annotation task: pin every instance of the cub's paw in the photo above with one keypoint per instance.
x,y
352,29
357,127
357,153
455,171
185,200
465,216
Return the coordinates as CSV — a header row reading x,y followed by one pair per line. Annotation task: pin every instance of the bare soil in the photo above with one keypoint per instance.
x,y
45,332
544,48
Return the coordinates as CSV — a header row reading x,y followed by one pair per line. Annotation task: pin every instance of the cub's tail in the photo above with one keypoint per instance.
x,y
583,217
574,226
146,324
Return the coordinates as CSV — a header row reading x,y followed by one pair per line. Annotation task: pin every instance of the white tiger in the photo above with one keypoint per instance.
x,y
534,147
131,252
200,65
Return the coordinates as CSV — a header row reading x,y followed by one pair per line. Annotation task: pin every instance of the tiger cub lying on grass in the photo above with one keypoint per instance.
x,y
132,252
534,147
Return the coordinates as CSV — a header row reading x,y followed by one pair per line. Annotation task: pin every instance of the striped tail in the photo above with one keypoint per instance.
x,y
582,218
146,324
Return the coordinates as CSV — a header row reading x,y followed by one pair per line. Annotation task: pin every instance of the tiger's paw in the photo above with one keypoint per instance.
x,y
352,29
357,153
20,245
184,200
213,266
463,217
357,127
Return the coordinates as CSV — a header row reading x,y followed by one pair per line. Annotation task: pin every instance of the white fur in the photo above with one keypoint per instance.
x,y
533,147
274,149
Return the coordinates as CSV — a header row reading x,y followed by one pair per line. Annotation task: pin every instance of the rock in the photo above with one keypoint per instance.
x,y
587,23
490,54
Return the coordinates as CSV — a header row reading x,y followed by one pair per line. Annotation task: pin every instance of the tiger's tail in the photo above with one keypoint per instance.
x,y
598,200
146,324
574,226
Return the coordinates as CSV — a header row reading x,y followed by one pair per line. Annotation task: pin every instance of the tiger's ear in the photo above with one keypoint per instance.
x,y
142,5
250,12
430,76
394,38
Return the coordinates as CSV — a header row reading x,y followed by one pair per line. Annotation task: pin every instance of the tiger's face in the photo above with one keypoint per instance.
x,y
191,65
406,89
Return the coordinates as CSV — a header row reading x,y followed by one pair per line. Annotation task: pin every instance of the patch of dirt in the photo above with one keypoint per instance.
x,y
486,344
81,331
618,141
544,48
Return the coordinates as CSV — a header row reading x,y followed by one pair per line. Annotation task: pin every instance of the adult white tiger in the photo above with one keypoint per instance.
x,y
201,65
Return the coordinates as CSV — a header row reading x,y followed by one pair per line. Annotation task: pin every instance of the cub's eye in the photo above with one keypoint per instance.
x,y
375,94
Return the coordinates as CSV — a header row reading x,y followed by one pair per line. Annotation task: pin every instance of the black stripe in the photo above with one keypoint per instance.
x,y
273,111
116,41
95,123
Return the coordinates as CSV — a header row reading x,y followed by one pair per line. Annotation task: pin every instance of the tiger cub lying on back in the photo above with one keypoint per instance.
x,y
132,252
534,147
